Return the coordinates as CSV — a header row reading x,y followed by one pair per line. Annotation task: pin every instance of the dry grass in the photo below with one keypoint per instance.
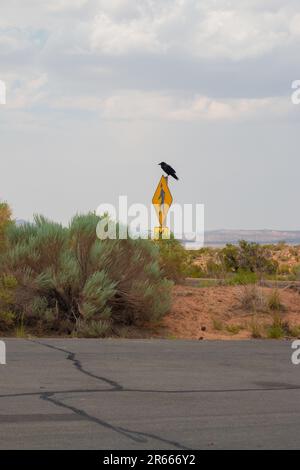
x,y
253,299
274,302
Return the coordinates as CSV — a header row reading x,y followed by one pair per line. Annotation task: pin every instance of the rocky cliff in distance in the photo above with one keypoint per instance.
x,y
221,237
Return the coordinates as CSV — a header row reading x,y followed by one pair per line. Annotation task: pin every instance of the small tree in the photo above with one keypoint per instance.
x,y
230,256
249,257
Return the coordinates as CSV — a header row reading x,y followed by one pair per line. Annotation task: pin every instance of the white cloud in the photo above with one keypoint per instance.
x,y
73,54
110,37
13,39
65,5
25,92
201,29
137,105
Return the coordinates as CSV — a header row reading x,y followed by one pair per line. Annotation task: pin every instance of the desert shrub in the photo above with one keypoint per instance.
x,y
274,301
214,269
20,331
255,328
278,328
253,299
296,272
217,324
294,331
233,329
93,329
7,320
8,286
209,263
195,271
68,279
231,257
249,257
173,258
5,222
284,269
275,332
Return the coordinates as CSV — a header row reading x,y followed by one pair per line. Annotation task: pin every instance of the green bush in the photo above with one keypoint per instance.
x,y
93,329
66,279
275,332
231,257
249,257
172,258
278,329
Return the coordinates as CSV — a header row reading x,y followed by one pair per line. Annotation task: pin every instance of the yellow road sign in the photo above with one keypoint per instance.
x,y
161,233
162,200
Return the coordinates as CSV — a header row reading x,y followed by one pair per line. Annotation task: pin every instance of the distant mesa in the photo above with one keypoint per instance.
x,y
21,221
264,237
219,238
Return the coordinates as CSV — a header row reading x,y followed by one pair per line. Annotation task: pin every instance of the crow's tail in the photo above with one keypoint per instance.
x,y
176,177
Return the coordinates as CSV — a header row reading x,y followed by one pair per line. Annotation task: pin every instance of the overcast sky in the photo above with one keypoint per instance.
x,y
100,91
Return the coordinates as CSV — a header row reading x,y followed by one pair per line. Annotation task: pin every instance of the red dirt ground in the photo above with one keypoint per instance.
x,y
206,313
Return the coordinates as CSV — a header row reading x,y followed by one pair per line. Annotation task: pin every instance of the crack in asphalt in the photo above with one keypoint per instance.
x,y
137,390
77,364
136,436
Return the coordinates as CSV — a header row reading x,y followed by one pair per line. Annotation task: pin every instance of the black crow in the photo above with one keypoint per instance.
x,y
169,170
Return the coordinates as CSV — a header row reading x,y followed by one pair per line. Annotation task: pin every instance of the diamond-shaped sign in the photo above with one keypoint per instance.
x,y
162,200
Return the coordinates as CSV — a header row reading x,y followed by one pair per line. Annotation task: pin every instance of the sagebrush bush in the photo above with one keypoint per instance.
x,y
253,299
68,279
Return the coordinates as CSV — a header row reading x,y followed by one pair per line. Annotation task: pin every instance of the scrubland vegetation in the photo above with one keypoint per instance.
x,y
57,280
243,291
246,263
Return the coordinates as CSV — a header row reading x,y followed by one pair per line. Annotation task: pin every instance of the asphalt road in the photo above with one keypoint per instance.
x,y
149,394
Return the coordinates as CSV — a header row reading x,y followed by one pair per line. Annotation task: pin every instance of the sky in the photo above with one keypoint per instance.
x,y
100,91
